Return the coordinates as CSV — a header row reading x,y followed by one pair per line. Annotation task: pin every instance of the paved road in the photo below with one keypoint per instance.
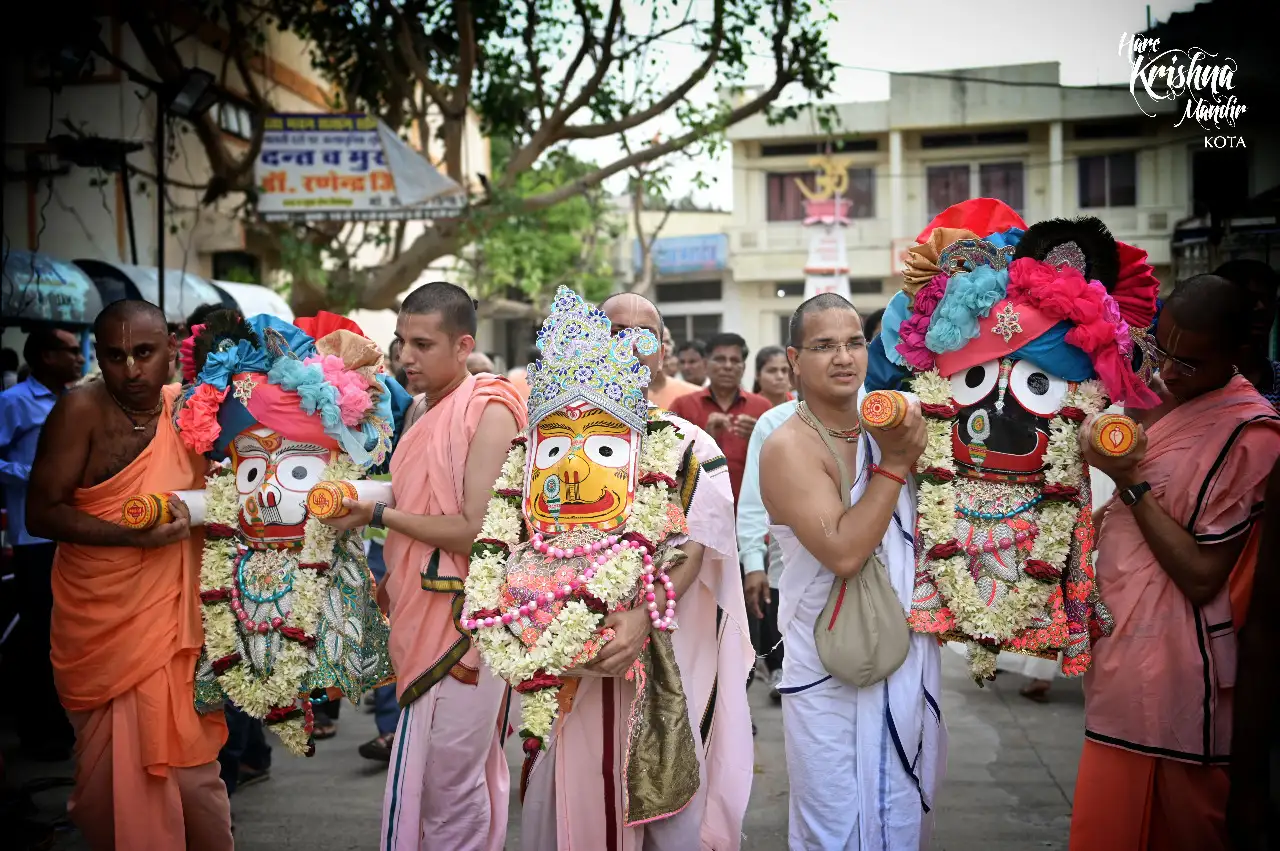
x,y
1011,773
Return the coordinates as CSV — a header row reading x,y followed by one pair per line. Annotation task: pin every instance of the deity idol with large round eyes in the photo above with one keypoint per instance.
x,y
586,520
298,413
1012,337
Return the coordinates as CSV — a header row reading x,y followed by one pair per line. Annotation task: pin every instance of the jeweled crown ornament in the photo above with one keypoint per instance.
x,y
581,360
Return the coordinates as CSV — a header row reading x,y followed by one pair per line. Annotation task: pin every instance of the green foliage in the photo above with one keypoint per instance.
x,y
535,252
240,275
543,74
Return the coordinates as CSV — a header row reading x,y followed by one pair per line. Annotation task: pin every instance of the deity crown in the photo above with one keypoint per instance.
x,y
581,361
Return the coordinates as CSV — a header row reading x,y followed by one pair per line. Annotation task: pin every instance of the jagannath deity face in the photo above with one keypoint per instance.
x,y
1005,409
274,475
581,470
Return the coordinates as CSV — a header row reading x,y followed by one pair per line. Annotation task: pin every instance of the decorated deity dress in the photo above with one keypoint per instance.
x,y
1011,337
300,411
585,520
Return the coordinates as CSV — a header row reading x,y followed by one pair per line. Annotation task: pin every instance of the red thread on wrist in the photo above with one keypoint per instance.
x,y
876,469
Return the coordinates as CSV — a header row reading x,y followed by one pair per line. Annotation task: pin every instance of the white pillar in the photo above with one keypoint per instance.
x,y
1056,171
897,188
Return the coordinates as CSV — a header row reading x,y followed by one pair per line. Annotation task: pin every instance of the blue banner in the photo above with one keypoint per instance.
x,y
680,255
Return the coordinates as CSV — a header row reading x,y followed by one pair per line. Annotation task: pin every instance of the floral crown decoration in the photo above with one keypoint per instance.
x,y
581,360
1061,292
320,379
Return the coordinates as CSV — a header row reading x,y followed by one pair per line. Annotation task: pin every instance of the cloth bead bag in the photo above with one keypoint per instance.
x,y
862,635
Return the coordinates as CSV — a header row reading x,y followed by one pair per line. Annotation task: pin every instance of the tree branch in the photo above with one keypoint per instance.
x,y
229,173
588,39
548,132
530,29
612,128
653,152
466,57
409,55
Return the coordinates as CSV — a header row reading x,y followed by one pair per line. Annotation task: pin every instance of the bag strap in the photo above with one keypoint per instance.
x,y
846,481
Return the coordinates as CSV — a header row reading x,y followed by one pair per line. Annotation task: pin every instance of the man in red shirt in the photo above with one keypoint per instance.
x,y
726,411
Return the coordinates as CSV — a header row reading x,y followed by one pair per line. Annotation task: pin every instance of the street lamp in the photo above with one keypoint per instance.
x,y
189,98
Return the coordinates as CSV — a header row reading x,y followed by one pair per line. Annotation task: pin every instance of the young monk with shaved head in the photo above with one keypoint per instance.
x,y
126,630
838,493
448,782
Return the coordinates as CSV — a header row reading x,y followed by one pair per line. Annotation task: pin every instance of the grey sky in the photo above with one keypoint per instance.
x,y
926,35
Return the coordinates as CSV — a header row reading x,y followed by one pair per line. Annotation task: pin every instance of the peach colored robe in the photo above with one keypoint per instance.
x,y
448,784
574,796
1161,685
126,635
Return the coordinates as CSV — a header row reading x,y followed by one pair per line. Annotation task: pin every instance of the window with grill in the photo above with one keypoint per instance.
x,y
1002,181
862,193
689,291
838,146
1108,180
785,201
946,185
235,118
698,326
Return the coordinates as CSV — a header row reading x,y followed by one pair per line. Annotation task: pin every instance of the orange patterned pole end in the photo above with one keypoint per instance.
x,y
324,502
1114,435
884,409
146,511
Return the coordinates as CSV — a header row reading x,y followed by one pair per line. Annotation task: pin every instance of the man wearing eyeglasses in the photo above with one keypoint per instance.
x,y
1175,559
55,359
726,411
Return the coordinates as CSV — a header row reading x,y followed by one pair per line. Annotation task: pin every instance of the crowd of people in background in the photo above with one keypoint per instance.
x,y
1133,790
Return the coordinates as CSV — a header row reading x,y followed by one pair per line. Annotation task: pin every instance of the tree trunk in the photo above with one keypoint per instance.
x,y
385,283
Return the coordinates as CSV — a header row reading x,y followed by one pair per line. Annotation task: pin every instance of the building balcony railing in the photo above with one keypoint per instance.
x,y
772,237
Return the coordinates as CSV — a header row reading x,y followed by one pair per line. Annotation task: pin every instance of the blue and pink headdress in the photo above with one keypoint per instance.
x,y
317,380
980,285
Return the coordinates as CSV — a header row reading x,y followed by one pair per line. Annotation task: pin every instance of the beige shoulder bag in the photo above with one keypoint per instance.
x,y
862,634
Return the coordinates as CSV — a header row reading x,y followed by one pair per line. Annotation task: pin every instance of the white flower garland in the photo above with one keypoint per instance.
x,y
294,661
564,641
1055,521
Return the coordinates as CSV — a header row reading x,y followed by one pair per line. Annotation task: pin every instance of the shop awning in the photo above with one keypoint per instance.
x,y
253,299
183,291
38,288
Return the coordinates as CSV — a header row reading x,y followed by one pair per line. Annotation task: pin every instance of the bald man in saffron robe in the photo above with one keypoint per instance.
x,y
126,629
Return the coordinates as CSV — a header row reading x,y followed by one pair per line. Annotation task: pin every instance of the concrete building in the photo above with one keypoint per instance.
x,y
76,213
1046,150
71,212
691,280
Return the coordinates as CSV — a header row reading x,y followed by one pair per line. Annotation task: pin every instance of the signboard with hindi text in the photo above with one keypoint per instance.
x,y
346,168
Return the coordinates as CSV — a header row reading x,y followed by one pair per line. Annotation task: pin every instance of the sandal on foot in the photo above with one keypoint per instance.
x,y
1035,691
378,749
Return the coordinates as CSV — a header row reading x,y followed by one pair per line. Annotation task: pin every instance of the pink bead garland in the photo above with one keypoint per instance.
x,y
600,553
1002,544
260,627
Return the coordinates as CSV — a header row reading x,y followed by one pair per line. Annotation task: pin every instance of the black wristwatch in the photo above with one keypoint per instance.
x,y
1130,495
375,522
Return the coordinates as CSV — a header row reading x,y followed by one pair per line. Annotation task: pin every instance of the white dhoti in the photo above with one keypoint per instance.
x,y
864,764
852,788
448,784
